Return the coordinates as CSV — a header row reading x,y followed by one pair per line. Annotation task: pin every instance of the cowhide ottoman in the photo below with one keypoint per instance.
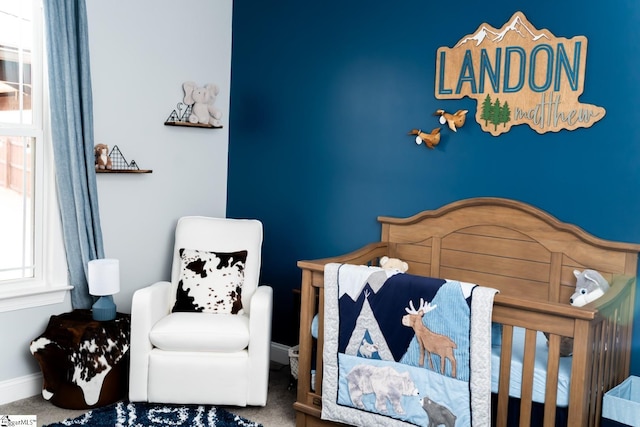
x,y
84,362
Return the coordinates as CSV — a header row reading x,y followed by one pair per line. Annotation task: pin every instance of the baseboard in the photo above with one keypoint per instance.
x,y
280,353
31,385
20,388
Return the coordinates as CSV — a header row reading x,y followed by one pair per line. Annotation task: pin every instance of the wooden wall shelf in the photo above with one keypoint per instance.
x,y
123,171
193,125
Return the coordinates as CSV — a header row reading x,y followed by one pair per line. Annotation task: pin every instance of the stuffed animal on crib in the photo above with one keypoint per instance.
x,y
393,264
590,285
103,161
201,99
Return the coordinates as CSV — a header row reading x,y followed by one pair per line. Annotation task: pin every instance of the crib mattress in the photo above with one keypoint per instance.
x,y
540,370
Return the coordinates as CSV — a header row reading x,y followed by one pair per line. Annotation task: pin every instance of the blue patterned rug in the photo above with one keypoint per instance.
x,y
155,414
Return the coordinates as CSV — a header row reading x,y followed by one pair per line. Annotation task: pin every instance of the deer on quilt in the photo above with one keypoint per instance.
x,y
429,342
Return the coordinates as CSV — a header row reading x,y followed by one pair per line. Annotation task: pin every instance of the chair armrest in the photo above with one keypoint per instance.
x,y
260,319
149,305
260,344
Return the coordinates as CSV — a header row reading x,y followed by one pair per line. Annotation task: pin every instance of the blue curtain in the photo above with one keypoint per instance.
x,y
72,131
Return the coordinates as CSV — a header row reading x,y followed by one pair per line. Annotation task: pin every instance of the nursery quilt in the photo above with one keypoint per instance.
x,y
403,350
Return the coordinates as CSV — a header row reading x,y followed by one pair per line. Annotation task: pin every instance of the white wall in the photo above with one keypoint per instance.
x,y
19,371
141,53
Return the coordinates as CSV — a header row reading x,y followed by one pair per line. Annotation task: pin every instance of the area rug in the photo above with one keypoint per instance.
x,y
154,414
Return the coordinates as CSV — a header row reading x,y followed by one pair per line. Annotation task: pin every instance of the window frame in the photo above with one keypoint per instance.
x,y
50,282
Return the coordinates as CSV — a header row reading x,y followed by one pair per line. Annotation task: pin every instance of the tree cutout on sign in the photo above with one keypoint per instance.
x,y
485,113
495,113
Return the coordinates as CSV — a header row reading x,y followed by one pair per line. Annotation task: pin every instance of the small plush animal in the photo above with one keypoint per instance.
x,y
438,414
201,99
367,349
590,285
430,139
103,161
385,382
393,264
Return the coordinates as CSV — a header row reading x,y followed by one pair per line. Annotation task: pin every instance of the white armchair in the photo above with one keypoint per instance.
x,y
210,357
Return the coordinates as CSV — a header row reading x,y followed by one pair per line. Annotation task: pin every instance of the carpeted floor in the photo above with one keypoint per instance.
x,y
277,413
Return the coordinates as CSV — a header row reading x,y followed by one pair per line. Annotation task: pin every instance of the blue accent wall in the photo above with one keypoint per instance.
x,y
324,93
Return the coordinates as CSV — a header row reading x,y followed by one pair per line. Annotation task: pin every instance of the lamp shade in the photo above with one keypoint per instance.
x,y
104,276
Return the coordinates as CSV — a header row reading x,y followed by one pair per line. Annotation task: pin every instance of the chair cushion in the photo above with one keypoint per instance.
x,y
224,333
210,282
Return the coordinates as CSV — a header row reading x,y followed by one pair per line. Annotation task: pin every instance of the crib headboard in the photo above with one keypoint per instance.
x,y
504,244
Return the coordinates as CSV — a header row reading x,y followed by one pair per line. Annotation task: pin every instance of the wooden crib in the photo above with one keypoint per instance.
x,y
530,257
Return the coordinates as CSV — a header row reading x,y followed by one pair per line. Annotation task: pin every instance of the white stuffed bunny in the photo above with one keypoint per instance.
x,y
201,98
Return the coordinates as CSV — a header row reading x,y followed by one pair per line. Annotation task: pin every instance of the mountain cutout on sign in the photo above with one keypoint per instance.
x,y
515,25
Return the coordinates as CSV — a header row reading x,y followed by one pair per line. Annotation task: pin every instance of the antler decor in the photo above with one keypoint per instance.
x,y
422,307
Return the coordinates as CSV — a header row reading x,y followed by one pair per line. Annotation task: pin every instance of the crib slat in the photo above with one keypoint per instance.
x,y
626,313
615,336
308,308
601,361
551,388
526,390
318,384
580,368
505,376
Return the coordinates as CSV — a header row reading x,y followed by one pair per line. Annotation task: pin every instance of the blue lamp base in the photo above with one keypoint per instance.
x,y
104,309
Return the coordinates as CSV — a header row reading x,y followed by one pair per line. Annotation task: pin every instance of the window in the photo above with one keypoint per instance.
x,y
27,222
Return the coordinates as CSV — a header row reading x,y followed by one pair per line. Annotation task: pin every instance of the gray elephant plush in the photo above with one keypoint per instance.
x,y
201,99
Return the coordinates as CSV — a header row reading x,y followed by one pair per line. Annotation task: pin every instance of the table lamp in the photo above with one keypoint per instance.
x,y
104,281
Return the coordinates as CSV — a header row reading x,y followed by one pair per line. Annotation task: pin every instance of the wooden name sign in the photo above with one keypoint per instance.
x,y
518,75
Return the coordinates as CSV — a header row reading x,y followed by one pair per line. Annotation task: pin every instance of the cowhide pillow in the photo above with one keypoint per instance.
x,y
210,282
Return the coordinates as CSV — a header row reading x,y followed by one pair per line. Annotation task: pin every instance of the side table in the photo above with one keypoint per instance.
x,y
84,363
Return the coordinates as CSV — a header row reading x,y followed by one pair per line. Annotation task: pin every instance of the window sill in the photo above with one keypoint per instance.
x,y
34,297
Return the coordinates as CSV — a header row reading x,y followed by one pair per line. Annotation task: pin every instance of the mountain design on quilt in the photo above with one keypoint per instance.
x,y
367,340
